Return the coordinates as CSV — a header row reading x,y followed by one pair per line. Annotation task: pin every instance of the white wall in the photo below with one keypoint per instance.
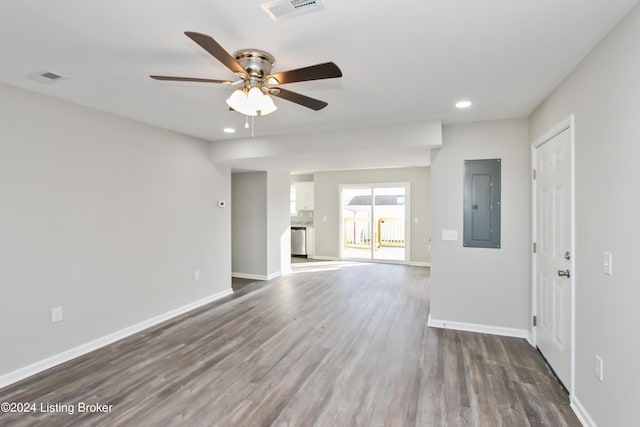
x,y
603,93
302,178
278,231
489,287
327,205
249,224
260,224
103,216
391,145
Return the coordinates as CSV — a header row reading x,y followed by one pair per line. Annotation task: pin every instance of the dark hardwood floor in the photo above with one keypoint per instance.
x,y
329,345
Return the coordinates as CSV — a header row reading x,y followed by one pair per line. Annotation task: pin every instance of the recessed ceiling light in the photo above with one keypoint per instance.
x,y
463,104
229,130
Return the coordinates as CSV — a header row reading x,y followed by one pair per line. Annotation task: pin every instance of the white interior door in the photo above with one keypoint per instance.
x,y
554,253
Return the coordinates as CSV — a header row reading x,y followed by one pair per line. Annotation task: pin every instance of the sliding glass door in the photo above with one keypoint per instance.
x,y
373,222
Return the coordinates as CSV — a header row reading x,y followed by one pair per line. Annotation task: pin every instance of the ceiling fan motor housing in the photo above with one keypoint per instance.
x,y
257,63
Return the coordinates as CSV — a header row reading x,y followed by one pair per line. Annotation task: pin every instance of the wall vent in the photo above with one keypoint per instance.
x,y
282,9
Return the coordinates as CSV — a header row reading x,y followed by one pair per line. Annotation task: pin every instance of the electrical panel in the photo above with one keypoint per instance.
x,y
482,203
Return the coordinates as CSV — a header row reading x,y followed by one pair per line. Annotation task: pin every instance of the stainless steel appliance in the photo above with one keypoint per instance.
x,y
299,241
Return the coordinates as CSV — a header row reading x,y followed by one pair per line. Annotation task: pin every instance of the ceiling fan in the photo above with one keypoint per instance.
x,y
253,67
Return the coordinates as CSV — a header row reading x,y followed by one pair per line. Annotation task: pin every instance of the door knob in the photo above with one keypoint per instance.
x,y
564,273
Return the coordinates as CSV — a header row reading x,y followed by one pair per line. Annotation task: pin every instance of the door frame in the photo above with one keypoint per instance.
x,y
407,221
566,124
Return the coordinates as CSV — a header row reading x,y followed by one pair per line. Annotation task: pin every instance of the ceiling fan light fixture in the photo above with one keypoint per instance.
x,y
254,99
268,106
238,101
251,102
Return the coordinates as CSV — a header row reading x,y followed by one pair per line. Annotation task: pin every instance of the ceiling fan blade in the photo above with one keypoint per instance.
x,y
305,101
191,79
210,45
328,70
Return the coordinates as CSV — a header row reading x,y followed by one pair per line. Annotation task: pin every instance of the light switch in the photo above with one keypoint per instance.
x,y
598,367
56,314
607,263
450,235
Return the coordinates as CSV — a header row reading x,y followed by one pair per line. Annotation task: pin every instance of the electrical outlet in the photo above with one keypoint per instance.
x,y
56,314
598,367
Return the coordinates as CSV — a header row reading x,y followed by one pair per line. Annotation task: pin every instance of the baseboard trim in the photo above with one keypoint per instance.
x,y
256,276
529,338
274,275
482,329
249,276
582,414
420,264
332,258
325,258
65,356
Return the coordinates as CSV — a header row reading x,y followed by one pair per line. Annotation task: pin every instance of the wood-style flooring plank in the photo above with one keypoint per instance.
x,y
333,344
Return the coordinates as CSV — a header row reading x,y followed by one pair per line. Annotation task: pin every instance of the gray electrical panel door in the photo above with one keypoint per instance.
x,y
482,203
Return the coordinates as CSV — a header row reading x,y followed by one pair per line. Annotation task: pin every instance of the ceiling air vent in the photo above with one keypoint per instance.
x,y
282,9
51,76
46,76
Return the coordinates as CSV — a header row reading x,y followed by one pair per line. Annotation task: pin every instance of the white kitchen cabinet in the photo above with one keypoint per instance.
x,y
304,196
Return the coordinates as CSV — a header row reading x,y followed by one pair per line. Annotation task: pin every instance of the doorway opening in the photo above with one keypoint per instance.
x,y
373,222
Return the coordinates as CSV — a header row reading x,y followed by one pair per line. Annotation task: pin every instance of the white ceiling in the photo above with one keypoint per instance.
x,y
401,61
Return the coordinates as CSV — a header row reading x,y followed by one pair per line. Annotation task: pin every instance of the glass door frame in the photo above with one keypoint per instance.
x,y
407,223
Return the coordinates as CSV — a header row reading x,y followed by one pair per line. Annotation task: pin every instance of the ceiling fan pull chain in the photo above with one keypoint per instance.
x,y
252,127
246,122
